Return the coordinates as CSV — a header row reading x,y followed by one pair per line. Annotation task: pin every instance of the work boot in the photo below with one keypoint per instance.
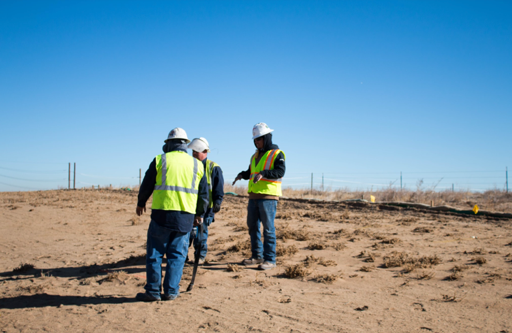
x,y
145,297
267,265
169,297
252,261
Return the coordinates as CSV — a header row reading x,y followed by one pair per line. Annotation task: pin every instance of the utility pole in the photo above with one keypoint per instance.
x,y
311,182
69,175
453,188
506,176
139,176
74,177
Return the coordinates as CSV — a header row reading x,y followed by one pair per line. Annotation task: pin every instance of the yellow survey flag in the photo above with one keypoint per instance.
x,y
372,198
475,209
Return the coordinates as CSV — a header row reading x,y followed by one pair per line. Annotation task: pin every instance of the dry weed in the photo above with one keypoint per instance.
x,y
23,268
282,250
423,230
391,241
367,268
480,260
262,280
120,276
234,268
326,278
32,289
425,275
297,271
240,246
452,298
338,246
317,246
454,276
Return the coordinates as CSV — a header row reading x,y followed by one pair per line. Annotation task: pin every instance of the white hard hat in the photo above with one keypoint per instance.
x,y
260,129
199,145
177,133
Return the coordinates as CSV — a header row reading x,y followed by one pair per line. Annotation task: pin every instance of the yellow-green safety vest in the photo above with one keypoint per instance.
x,y
209,170
265,186
177,182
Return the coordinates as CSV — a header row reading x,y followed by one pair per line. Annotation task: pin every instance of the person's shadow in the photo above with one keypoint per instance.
x,y
43,300
133,264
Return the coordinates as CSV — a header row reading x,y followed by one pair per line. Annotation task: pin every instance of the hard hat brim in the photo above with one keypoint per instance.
x,y
257,136
186,140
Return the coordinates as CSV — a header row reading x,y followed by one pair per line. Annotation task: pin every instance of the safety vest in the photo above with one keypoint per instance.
x,y
265,186
177,182
209,171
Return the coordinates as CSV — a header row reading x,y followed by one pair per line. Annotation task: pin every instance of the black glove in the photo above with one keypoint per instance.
x,y
216,208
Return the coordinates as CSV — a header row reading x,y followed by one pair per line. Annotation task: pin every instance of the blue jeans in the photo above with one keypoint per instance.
x,y
174,245
194,237
263,210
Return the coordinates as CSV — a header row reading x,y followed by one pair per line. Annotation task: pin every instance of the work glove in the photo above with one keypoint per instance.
x,y
216,208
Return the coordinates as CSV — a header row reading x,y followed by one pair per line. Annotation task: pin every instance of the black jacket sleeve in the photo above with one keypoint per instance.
x,y
148,185
246,174
203,197
279,168
218,185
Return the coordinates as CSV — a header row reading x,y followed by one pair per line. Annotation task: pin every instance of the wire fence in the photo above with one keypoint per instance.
x,y
13,179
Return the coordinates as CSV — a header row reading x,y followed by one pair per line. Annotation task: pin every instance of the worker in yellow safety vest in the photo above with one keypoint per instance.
x,y
200,149
265,173
179,187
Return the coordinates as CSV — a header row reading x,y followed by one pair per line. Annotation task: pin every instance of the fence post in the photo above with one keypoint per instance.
x,y
69,175
311,183
139,176
322,181
400,180
453,188
74,177
506,176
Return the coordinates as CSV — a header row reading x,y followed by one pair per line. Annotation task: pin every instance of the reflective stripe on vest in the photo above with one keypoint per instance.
x,y
176,188
269,165
177,183
265,185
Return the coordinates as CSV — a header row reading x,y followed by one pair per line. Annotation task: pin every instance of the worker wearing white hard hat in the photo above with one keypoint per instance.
x,y
179,187
265,173
199,236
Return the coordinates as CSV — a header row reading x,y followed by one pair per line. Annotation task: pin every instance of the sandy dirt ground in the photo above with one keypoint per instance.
x,y
73,261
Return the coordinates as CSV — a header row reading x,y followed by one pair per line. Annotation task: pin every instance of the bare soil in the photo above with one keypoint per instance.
x,y
74,261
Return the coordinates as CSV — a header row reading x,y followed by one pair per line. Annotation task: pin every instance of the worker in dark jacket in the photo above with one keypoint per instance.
x,y
180,198
265,173
215,179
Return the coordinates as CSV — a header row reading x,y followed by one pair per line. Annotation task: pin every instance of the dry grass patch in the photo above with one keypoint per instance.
x,y
240,246
297,271
423,230
120,276
32,289
282,250
425,275
23,268
234,268
398,259
480,260
326,278
338,246
285,233
454,276
317,246
391,241
367,268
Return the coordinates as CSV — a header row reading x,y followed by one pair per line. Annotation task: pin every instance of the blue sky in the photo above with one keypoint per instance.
x,y
357,90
